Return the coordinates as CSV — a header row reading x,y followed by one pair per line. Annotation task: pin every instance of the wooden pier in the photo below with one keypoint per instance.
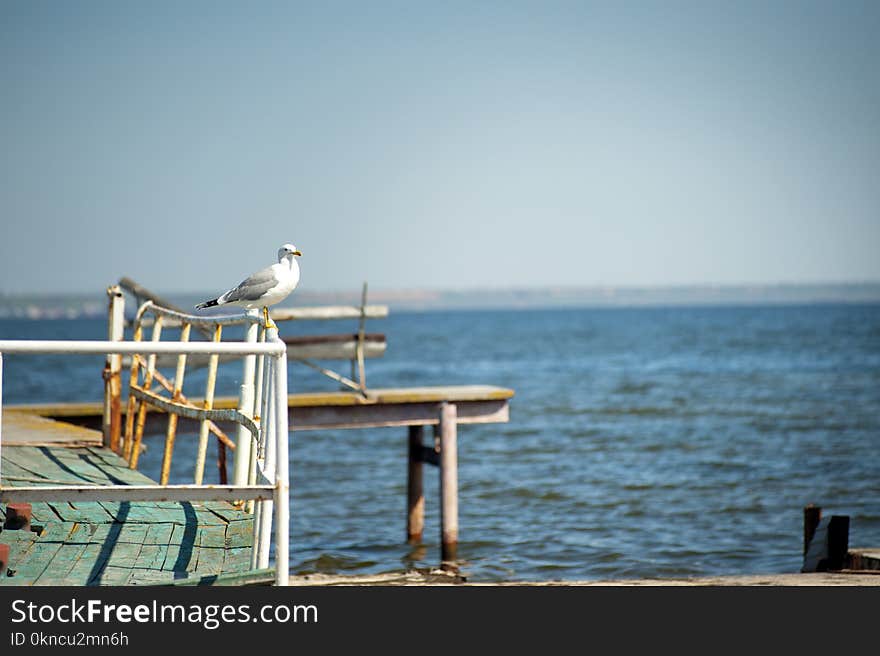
x,y
96,441
140,542
103,543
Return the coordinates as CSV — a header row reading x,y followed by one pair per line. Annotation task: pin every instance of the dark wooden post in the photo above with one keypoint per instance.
x,y
415,496
838,541
448,485
812,515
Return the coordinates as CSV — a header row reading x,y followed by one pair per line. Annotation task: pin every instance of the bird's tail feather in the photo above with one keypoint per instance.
x,y
207,304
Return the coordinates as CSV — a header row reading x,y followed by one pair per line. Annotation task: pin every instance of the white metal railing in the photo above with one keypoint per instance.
x,y
270,462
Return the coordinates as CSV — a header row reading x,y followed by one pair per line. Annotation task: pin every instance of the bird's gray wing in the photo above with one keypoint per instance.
x,y
252,287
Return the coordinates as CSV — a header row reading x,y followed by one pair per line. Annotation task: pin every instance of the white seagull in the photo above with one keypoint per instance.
x,y
265,287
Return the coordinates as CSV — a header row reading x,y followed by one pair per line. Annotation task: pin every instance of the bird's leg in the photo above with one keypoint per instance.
x,y
269,323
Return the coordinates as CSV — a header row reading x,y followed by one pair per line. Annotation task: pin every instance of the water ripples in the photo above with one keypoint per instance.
x,y
642,443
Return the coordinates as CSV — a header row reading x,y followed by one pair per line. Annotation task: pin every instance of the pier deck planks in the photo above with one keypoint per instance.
x,y
91,543
411,406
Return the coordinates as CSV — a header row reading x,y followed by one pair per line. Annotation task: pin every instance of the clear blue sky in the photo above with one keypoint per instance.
x,y
438,144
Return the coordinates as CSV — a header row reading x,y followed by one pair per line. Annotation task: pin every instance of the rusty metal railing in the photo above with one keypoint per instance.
x,y
142,395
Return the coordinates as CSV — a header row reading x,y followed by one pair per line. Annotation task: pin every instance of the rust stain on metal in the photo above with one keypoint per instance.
x,y
142,408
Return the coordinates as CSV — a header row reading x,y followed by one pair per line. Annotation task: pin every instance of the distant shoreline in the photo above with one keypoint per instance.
x,y
73,306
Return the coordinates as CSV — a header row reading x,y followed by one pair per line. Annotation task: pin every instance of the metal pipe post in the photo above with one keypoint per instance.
x,y
176,392
142,408
113,382
282,472
448,484
259,411
103,347
242,460
268,457
202,452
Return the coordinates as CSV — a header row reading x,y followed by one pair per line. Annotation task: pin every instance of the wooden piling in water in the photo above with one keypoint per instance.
x,y
812,516
448,485
415,494
826,541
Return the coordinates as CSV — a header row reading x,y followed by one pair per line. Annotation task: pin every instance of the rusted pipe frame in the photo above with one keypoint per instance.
x,y
332,374
142,408
200,320
135,369
182,399
132,381
201,454
193,412
176,394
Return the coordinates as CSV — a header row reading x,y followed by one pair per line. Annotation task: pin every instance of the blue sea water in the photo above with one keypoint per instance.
x,y
649,442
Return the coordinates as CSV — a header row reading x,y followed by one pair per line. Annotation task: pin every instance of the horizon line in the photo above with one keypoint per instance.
x,y
599,287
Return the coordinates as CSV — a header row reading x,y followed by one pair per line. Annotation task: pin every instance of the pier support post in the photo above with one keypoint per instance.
x,y
112,423
812,516
448,485
415,495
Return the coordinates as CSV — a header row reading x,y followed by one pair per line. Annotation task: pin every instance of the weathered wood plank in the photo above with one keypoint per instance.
x,y
210,560
212,537
455,393
28,428
87,512
159,534
83,570
239,534
155,577
58,569
182,549
57,532
238,559
20,545
244,577
31,566
115,575
113,543
151,557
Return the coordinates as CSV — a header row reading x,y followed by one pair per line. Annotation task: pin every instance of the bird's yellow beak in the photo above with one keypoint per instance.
x,y
297,253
